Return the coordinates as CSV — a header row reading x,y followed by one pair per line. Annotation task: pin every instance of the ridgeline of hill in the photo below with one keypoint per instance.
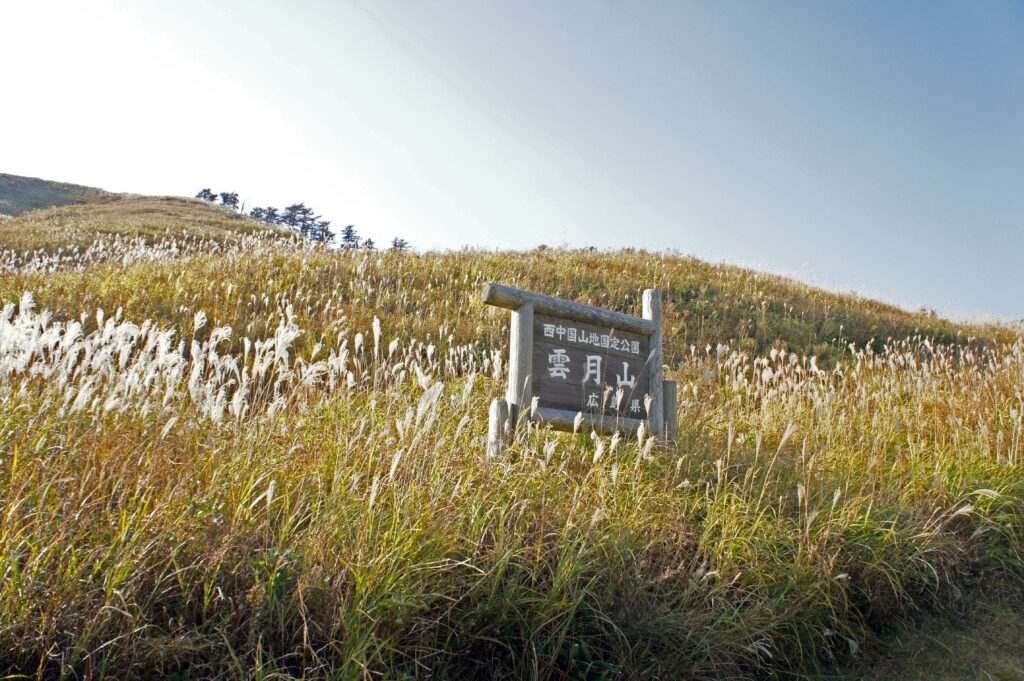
x,y
22,194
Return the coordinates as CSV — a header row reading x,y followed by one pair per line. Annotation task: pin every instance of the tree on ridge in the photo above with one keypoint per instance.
x,y
229,199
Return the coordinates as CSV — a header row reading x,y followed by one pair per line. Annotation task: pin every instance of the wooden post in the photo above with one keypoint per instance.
x,y
520,365
497,431
652,311
515,299
671,394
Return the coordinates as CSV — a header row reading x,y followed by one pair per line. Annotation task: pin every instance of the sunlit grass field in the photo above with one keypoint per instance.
x,y
245,458
77,235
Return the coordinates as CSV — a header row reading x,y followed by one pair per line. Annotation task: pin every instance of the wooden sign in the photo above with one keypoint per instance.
x,y
571,364
591,369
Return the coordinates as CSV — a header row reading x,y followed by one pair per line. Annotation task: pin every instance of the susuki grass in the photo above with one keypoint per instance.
x,y
117,219
270,462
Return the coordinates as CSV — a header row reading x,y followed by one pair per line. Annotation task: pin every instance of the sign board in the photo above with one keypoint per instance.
x,y
592,369
571,363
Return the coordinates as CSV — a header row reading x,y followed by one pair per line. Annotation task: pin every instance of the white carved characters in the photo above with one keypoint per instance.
x,y
598,371
558,364
624,379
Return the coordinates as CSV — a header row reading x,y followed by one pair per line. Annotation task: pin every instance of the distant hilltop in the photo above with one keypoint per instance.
x,y
21,194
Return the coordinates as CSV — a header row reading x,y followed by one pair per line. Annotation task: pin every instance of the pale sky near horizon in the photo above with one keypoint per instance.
x,y
867,146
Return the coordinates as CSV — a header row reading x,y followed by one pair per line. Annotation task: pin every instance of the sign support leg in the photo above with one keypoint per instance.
x,y
520,367
656,414
671,394
498,428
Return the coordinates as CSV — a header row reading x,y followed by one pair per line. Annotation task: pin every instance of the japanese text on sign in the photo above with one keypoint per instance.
x,y
580,367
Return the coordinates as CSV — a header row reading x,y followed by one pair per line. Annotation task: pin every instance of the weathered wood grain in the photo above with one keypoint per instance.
x,y
652,311
513,298
576,378
520,365
561,419
498,427
671,395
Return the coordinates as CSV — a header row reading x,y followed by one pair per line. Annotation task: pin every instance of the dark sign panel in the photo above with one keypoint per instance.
x,y
584,368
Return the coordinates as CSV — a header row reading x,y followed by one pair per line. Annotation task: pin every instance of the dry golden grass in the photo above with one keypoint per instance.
x,y
147,217
268,461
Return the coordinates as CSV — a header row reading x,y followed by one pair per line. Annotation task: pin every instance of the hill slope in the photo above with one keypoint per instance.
x,y
261,458
705,305
22,194
151,218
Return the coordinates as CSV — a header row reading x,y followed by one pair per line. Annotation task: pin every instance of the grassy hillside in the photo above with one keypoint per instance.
x,y
146,218
263,459
705,303
22,194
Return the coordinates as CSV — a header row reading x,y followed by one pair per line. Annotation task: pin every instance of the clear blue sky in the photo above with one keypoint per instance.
x,y
868,146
